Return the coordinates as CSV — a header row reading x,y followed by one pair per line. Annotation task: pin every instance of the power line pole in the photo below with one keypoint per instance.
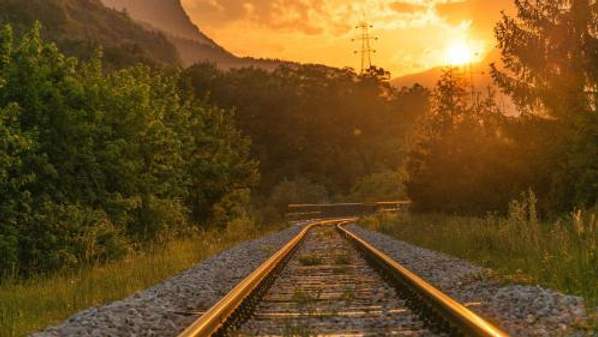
x,y
366,45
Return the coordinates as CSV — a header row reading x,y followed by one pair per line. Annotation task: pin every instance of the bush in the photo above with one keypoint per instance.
x,y
230,208
464,160
297,191
91,161
62,236
382,186
291,192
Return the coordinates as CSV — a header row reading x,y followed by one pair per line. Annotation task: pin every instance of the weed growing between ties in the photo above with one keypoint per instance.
x,y
310,260
561,254
348,294
27,306
342,259
304,299
297,331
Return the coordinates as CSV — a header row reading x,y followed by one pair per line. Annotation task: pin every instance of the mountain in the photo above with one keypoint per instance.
x,y
480,73
170,18
80,27
166,15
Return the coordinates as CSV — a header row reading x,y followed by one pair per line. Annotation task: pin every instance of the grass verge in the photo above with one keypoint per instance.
x,y
561,255
31,305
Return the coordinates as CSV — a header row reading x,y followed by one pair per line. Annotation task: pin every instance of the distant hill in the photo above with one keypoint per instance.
x,y
80,27
480,72
169,17
429,78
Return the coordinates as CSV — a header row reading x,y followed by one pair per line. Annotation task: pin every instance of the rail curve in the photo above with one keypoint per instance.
x,y
264,297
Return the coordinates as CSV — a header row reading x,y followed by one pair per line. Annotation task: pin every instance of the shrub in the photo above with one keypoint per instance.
x,y
296,191
382,186
92,160
62,236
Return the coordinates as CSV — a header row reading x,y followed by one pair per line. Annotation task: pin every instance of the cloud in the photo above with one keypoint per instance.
x,y
306,16
413,34
407,7
310,17
483,14
314,17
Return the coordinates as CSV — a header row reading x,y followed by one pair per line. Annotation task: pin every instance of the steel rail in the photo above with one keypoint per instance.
x,y
464,319
210,322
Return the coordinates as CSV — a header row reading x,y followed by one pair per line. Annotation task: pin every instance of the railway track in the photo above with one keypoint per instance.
x,y
329,282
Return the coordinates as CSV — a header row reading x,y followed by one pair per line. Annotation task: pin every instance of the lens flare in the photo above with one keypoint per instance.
x,y
459,53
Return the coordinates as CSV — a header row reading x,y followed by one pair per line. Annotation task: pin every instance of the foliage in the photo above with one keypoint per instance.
x,y
297,192
328,126
470,158
91,162
463,153
549,53
380,186
80,27
273,207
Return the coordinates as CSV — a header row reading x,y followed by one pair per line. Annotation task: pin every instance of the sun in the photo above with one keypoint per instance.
x,y
459,53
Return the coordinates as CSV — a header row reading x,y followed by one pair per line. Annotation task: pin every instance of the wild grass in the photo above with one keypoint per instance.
x,y
297,331
31,305
561,254
342,260
310,260
348,294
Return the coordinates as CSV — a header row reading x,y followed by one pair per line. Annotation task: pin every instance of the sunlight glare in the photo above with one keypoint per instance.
x,y
459,53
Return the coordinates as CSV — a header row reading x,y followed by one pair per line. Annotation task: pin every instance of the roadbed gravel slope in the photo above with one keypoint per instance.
x,y
166,309
523,311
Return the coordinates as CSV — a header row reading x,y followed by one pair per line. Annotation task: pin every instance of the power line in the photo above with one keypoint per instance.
x,y
366,45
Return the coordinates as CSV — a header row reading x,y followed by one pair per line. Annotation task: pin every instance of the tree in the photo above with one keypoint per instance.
x,y
461,161
329,126
92,161
550,52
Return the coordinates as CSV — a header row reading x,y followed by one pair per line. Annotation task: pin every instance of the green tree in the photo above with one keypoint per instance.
x,y
80,27
91,161
14,144
462,162
549,53
329,126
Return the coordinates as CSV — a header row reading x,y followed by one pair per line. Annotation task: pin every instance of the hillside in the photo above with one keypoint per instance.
x,y
165,15
80,27
169,17
480,73
429,78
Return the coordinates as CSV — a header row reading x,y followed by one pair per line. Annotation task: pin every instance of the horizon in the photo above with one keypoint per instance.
x,y
462,31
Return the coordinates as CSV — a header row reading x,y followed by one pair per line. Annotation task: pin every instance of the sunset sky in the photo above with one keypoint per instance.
x,y
414,35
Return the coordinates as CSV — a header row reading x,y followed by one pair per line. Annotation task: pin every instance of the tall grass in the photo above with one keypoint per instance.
x,y
561,254
30,305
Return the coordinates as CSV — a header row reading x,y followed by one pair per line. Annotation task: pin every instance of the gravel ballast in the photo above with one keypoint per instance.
x,y
523,311
166,309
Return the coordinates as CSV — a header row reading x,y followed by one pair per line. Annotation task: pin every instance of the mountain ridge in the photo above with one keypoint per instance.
x,y
170,18
165,15
428,78
81,27
480,74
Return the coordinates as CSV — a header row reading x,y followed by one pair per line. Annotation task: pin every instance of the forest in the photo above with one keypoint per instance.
x,y
98,158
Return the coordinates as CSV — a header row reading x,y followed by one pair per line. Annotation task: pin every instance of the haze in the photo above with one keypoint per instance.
x,y
414,35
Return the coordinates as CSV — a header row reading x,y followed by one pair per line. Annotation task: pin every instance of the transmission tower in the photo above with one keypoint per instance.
x,y
366,45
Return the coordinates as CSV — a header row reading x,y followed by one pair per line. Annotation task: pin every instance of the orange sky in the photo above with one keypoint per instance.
x,y
414,35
